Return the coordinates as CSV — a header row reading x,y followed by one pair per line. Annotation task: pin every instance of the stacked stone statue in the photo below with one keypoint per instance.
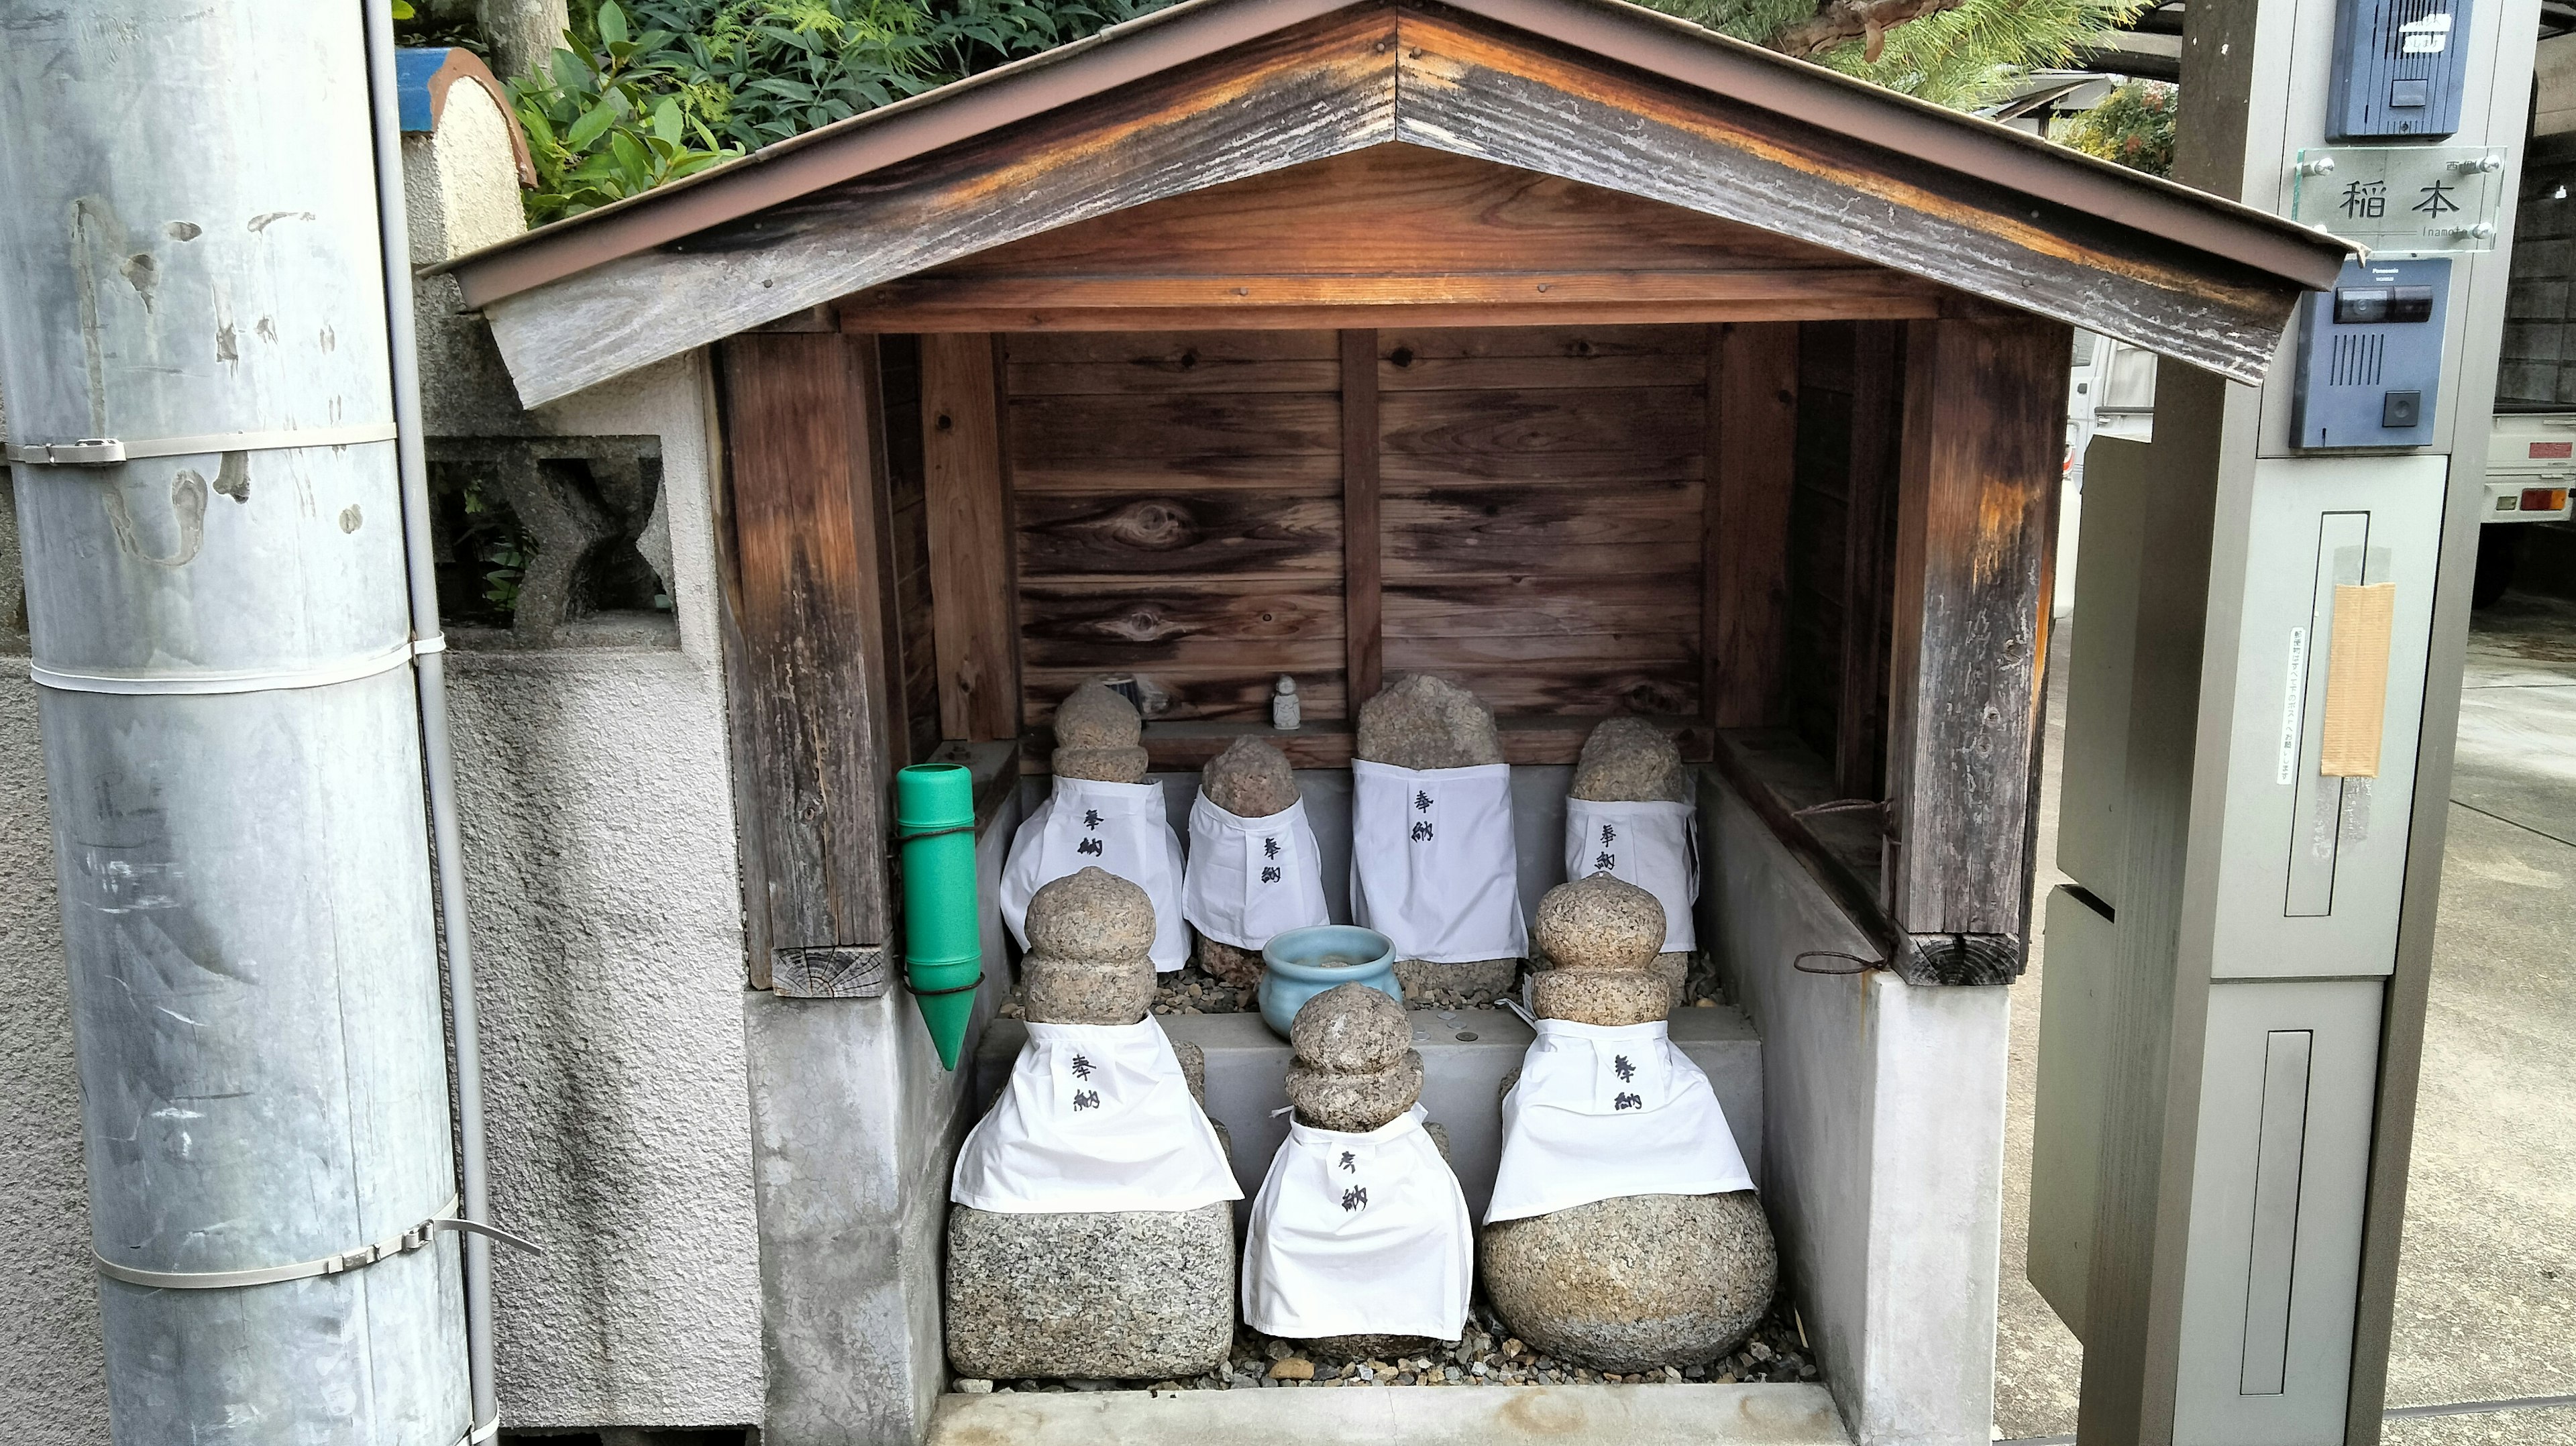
x,y
1140,1294
1099,735
1632,1282
1250,779
1420,721
1629,760
1356,1073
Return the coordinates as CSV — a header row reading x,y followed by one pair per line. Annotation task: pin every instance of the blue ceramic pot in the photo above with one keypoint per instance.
x,y
1302,963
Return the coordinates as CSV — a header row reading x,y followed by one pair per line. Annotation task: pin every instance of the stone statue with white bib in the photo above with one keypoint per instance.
x,y
1624,1232
1092,1233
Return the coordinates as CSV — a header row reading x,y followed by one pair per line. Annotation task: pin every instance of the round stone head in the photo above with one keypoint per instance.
x,y
1421,721
1629,760
1091,936
1600,923
1097,737
1355,1069
1250,779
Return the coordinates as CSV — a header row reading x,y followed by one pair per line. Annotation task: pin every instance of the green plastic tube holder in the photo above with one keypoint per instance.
x,y
943,951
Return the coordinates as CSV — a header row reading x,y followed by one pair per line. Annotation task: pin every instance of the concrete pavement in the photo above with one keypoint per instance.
x,y
2486,1303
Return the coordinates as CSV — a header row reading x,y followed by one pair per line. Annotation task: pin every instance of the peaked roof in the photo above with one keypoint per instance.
x,y
1210,91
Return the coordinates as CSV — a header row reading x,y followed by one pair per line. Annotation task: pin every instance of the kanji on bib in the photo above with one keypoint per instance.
x,y
1120,827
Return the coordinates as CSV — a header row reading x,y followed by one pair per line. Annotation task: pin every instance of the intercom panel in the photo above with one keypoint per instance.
x,y
2335,625
2399,66
2370,356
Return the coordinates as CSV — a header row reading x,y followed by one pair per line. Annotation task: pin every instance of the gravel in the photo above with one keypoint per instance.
x,y
1488,1356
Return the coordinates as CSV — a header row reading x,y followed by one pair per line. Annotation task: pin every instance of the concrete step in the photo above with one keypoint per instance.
x,y
1669,1415
1465,1054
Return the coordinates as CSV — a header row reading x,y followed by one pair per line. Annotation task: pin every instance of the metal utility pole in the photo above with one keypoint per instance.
x,y
193,344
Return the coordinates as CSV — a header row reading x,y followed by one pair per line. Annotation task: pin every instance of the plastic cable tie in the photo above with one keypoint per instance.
x,y
464,1226
434,643
476,1436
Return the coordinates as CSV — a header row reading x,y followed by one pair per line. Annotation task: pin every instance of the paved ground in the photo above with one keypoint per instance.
x,y
2486,1306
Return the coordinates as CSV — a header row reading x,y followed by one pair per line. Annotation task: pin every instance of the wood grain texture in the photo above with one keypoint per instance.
x,y
1158,533
808,697
971,548
1362,523
1200,620
1540,528
1877,410
1758,304
1534,357
1531,427
899,387
1299,94
1172,427
1752,450
1976,508
1486,91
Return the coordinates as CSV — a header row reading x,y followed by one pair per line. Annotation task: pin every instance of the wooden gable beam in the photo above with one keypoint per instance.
x,y
1300,94
1498,93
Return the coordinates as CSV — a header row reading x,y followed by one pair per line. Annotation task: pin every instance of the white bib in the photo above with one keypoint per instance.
x,y
1652,845
1601,1112
1095,1117
1359,1234
1433,866
1251,878
1120,827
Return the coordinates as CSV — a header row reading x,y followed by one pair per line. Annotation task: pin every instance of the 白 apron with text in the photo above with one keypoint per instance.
x,y
1120,827
1251,878
1433,864
1094,1117
1359,1234
1653,845
1601,1112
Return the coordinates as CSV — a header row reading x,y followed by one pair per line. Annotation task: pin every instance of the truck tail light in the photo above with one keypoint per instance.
x,y
2544,499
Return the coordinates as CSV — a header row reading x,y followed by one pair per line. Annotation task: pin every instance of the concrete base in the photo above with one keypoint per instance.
x,y
1465,1054
1762,1415
855,1126
1884,1132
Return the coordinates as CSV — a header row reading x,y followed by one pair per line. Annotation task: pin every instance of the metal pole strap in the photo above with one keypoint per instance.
x,y
401,1243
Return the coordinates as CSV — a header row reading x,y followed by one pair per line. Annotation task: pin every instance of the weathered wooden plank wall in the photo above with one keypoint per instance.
x,y
1753,431
959,416
907,499
1178,507
814,712
1841,540
1542,500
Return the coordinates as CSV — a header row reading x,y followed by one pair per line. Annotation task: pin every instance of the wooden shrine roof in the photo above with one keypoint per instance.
x,y
1211,92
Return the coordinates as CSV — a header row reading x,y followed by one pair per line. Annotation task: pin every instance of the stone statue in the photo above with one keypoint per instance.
x,y
1100,810
1624,1232
1250,779
1419,722
1100,1293
1631,761
1098,736
1359,1242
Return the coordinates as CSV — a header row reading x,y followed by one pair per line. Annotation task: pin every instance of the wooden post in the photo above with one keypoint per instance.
x,y
808,694
1751,467
1985,408
1860,745
972,607
1363,612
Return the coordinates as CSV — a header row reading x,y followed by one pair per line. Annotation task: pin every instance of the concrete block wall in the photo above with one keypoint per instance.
x,y
599,849
1882,1145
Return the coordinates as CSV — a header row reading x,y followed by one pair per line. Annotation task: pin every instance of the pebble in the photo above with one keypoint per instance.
x,y
1505,1360
974,1386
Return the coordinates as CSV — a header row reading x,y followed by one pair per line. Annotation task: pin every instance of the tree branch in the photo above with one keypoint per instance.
x,y
1839,22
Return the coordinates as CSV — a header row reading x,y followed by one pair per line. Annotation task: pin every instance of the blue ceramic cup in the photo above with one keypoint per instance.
x,y
1302,963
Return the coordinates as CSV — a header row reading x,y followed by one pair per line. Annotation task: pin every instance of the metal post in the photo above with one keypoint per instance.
x,y
393,232
194,349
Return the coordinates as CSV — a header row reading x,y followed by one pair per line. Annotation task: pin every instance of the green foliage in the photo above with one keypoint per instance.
x,y
1963,57
2134,125
657,89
